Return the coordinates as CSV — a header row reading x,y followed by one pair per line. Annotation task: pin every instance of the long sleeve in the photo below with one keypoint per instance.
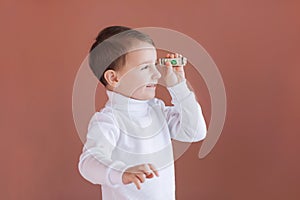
x,y
185,119
95,163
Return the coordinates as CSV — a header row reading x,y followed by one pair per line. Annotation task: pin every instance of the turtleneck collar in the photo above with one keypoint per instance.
x,y
121,102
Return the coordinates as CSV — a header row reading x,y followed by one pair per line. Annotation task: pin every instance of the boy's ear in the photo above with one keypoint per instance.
x,y
111,78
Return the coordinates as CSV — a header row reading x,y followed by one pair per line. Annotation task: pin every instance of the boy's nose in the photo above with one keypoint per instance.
x,y
156,73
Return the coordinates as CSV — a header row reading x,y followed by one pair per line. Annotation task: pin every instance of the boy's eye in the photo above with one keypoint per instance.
x,y
145,67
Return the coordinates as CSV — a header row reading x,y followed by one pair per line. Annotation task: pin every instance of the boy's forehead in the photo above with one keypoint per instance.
x,y
141,56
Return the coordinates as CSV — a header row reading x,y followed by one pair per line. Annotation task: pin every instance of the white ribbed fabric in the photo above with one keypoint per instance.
x,y
128,132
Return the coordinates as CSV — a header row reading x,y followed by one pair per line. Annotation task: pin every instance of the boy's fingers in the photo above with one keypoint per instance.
x,y
141,177
150,175
179,69
146,170
153,169
137,183
169,68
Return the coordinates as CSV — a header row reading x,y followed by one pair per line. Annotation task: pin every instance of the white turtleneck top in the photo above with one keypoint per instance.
x,y
129,132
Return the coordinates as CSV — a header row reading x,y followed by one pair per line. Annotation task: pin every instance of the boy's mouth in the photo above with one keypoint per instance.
x,y
152,85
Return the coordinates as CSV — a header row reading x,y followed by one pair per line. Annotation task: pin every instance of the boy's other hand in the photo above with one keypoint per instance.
x,y
173,75
138,174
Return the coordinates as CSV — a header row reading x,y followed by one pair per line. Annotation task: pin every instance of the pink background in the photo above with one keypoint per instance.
x,y
255,44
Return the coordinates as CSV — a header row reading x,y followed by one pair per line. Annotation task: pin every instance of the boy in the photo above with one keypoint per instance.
x,y
128,149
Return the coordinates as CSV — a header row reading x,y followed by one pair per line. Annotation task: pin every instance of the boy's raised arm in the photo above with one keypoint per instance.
x,y
185,119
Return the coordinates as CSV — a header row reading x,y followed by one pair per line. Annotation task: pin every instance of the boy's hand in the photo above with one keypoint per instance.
x,y
138,174
173,75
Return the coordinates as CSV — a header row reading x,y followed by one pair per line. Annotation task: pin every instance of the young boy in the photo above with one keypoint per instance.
x,y
128,148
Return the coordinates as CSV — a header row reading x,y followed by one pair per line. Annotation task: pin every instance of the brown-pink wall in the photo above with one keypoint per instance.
x,y
255,44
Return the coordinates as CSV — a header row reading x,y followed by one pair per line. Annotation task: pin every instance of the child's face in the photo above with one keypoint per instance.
x,y
139,76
